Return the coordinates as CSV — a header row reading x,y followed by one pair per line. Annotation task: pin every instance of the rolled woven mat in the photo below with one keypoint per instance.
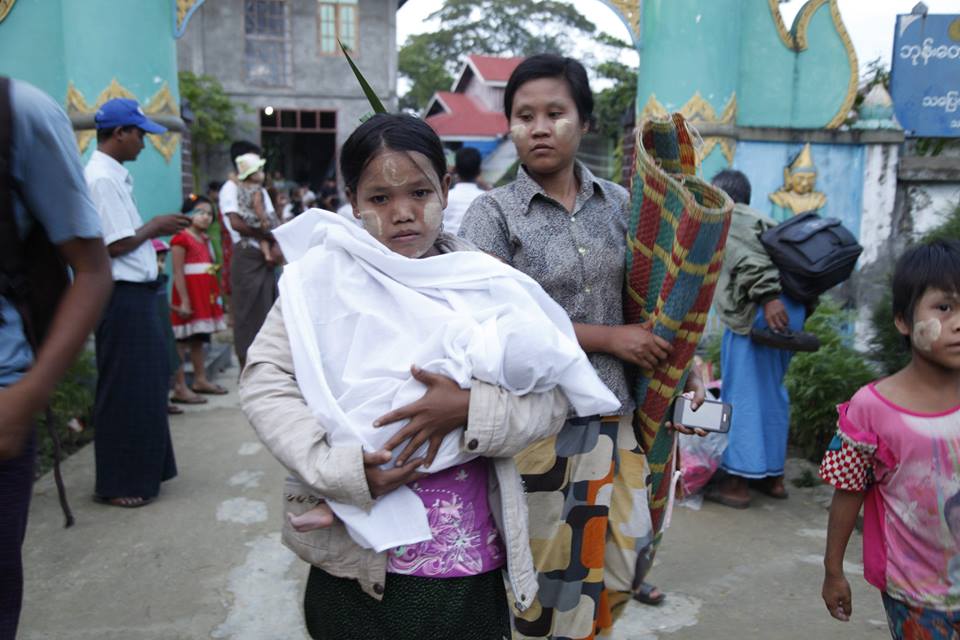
x,y
675,244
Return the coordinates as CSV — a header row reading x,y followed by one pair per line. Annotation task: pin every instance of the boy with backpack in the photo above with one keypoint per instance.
x,y
44,317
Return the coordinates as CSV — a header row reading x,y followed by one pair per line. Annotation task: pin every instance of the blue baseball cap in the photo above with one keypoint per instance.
x,y
123,112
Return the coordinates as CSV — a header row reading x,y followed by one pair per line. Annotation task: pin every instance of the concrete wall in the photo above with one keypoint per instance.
x,y
214,41
905,196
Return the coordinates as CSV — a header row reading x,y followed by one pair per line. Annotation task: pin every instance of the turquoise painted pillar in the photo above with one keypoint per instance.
x,y
93,50
690,62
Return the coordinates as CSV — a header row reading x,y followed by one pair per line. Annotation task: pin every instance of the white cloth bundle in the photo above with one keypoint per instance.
x,y
358,316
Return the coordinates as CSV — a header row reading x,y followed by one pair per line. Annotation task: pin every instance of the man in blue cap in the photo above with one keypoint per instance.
x,y
132,445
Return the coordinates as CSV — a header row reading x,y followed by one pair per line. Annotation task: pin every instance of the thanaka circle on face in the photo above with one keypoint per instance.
x,y
565,129
925,334
519,132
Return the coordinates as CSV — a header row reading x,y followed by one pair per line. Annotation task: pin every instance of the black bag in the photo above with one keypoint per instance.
x,y
812,253
35,285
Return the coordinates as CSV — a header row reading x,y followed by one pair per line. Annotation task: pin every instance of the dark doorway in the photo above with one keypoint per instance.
x,y
300,144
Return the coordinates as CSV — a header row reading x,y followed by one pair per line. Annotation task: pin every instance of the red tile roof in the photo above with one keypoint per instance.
x,y
466,118
487,124
493,69
457,102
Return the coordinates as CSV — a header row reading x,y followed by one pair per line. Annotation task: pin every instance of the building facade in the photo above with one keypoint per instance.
x,y
280,59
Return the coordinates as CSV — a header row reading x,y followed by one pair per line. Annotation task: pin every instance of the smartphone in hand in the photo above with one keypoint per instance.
x,y
712,415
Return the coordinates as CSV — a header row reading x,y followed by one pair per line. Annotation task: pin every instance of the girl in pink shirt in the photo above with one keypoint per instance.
x,y
897,453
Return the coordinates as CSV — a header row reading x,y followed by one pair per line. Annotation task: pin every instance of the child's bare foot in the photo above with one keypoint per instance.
x,y
320,517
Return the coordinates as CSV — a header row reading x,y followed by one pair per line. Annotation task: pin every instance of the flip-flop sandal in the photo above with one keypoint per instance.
x,y
644,592
174,410
217,390
197,400
117,502
713,494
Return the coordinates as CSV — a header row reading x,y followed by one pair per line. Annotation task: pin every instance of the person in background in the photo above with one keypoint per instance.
x,y
252,204
253,281
49,191
282,204
329,195
465,191
220,233
132,444
748,295
196,311
895,455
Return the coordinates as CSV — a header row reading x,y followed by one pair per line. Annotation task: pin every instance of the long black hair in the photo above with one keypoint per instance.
x,y
398,132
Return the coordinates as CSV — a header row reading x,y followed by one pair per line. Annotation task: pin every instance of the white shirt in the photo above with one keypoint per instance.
x,y
460,197
111,188
229,204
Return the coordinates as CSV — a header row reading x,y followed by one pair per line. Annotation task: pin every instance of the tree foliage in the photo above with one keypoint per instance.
x,y
613,102
488,27
214,113
817,382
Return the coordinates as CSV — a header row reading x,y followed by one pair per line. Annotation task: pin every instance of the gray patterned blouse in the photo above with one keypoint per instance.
x,y
578,258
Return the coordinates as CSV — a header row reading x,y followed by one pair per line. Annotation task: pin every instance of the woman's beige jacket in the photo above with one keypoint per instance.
x,y
500,425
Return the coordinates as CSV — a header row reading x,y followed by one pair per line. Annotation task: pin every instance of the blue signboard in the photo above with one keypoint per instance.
x,y
925,75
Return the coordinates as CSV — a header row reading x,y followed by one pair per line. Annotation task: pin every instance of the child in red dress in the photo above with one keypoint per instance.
x,y
196,295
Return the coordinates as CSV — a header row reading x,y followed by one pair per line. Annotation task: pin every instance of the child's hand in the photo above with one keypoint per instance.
x,y
184,311
836,595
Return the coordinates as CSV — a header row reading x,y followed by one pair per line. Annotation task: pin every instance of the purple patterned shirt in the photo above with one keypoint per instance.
x,y
465,538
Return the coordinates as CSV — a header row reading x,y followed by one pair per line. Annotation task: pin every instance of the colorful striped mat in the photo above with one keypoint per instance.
x,y
675,244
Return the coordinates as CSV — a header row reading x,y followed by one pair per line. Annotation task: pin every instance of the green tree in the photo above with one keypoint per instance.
x,y
214,114
613,102
490,27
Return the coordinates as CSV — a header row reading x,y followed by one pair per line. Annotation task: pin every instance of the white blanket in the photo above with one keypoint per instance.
x,y
358,316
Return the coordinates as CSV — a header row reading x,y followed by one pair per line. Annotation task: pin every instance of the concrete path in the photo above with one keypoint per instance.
x,y
205,560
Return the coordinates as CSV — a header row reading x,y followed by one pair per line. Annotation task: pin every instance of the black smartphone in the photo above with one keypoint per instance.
x,y
712,415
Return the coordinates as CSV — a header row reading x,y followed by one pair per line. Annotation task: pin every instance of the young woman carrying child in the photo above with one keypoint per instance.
x,y
450,586
897,453
196,294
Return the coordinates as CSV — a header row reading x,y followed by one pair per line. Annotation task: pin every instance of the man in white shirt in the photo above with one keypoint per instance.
x,y
132,445
253,281
468,163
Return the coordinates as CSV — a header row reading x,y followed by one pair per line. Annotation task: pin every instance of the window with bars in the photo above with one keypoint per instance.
x,y
266,28
337,19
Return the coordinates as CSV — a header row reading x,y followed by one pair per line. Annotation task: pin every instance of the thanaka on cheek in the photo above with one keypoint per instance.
x,y
371,222
925,334
519,133
565,129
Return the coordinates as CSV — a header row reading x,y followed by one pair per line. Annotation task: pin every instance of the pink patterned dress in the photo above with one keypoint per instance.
x,y
465,541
